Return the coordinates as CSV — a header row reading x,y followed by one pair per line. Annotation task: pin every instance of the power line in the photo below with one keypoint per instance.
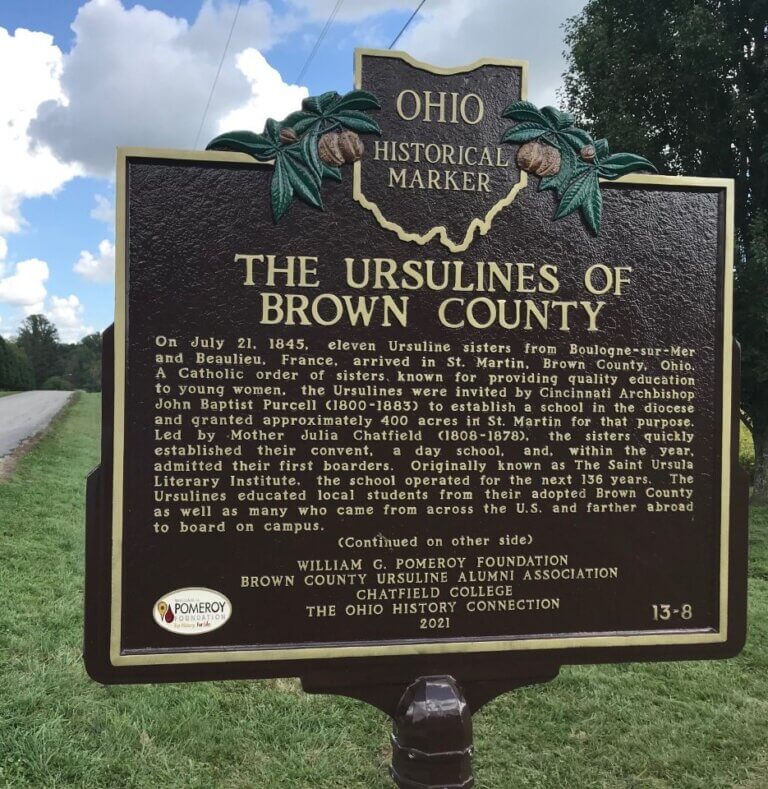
x,y
218,73
405,26
319,41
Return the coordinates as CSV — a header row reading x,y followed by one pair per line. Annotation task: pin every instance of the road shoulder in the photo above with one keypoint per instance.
x,y
8,462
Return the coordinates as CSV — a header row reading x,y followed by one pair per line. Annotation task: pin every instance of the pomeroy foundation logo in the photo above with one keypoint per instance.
x,y
192,611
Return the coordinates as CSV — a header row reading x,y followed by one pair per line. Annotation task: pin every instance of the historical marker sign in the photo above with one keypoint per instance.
x,y
472,400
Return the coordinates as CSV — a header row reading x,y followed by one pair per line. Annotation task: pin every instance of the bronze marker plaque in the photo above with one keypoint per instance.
x,y
451,422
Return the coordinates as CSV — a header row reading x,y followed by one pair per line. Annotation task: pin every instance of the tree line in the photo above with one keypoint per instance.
x,y
685,84
36,359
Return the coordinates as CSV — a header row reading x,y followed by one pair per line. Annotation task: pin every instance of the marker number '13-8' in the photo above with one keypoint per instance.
x,y
664,611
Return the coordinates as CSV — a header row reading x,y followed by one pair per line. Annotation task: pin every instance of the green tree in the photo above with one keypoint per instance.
x,y
82,363
39,339
685,83
7,360
25,378
91,345
15,370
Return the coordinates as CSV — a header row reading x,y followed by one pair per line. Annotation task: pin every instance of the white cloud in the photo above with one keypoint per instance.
x,y
31,65
3,248
67,313
454,32
97,268
140,77
25,287
270,96
103,211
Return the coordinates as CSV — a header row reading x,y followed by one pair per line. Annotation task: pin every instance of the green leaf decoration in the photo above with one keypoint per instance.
x,y
308,147
272,130
524,132
305,183
583,193
330,111
300,121
556,118
578,138
329,171
298,169
257,145
357,121
281,190
574,195
592,204
577,182
525,111
357,100
618,164
601,146
570,166
320,104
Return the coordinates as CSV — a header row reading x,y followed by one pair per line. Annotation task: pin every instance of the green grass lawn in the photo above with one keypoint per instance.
x,y
665,725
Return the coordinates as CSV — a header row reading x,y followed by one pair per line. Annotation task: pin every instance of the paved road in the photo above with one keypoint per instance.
x,y
24,414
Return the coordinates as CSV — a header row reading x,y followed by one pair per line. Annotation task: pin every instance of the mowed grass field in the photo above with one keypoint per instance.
x,y
661,725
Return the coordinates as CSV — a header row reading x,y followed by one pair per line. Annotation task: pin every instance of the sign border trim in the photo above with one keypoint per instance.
x,y
402,648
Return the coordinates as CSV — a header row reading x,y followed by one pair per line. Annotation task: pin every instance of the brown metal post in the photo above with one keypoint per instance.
x,y
432,736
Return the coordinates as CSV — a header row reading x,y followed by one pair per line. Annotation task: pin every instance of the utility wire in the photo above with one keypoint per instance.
x,y
405,26
218,73
319,41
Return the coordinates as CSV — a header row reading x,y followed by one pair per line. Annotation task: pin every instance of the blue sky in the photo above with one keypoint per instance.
x,y
81,77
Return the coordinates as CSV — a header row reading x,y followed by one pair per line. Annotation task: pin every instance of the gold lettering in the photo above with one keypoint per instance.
x,y
430,104
416,105
249,266
478,109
